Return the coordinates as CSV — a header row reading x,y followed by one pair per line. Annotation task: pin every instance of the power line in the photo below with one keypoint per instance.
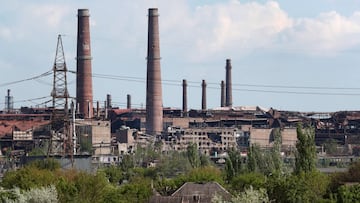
x,y
178,83
27,79
30,100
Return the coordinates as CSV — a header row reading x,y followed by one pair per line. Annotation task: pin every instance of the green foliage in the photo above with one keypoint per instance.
x,y
260,161
127,163
114,174
244,181
66,189
251,196
276,152
193,155
34,195
204,160
167,186
233,164
349,193
144,155
302,187
48,163
86,144
137,191
90,188
352,175
173,164
305,157
27,178
330,147
7,195
204,174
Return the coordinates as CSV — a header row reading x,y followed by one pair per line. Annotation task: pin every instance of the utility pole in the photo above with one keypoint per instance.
x,y
60,128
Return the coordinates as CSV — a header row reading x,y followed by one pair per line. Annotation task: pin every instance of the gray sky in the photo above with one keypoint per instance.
x,y
289,55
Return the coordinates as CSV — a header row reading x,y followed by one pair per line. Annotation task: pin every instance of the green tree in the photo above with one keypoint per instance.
x,y
204,174
28,177
173,164
276,151
48,163
252,157
193,155
303,187
305,156
233,164
114,174
244,181
349,193
331,147
251,195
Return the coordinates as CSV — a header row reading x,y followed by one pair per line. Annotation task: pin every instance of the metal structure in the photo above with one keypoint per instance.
x,y
228,101
84,92
154,106
60,95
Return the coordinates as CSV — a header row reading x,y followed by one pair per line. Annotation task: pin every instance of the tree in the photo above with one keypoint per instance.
x,y
233,164
349,193
114,174
203,175
252,157
276,151
304,187
251,196
173,164
305,155
193,155
244,181
48,163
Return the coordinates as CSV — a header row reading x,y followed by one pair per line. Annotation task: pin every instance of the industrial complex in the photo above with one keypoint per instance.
x,y
104,132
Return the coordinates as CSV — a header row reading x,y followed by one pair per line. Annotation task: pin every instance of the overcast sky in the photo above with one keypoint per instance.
x,y
289,55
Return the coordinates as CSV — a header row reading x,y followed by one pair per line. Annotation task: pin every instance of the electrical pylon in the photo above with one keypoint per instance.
x,y
60,130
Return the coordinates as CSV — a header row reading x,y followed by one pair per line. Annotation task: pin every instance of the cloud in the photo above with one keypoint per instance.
x,y
230,26
235,28
50,15
328,33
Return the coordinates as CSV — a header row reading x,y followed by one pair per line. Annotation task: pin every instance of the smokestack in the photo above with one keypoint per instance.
x,y
128,98
222,102
108,101
203,103
185,98
97,109
9,102
154,109
228,101
84,93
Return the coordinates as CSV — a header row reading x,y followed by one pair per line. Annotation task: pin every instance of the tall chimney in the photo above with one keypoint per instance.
x,y
108,101
203,101
184,98
128,103
154,109
228,101
222,99
97,109
84,92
